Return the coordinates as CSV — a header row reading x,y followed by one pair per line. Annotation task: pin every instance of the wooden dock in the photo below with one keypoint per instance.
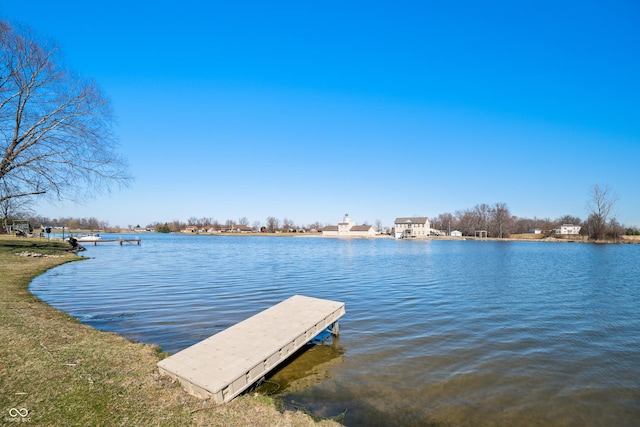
x,y
227,363
121,241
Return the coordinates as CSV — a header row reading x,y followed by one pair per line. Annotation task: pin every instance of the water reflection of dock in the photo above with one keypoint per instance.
x,y
310,366
226,364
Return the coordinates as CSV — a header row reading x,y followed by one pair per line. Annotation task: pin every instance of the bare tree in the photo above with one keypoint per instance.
x,y
288,225
502,220
56,128
317,226
205,222
482,213
569,219
467,222
12,208
600,207
175,226
526,225
445,221
272,224
615,229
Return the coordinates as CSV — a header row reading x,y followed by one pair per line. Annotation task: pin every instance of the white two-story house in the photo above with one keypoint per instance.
x,y
411,228
568,229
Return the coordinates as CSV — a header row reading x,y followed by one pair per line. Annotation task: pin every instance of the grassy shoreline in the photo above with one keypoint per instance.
x,y
65,373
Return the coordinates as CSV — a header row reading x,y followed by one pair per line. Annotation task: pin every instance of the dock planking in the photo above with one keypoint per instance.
x,y
227,363
121,241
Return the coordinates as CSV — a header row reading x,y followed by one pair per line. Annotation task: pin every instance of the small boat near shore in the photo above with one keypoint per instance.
x,y
89,238
96,238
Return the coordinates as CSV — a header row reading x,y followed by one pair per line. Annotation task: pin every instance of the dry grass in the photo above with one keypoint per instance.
x,y
66,373
527,236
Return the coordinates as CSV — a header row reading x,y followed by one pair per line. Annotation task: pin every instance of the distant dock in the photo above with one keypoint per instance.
x,y
227,363
96,241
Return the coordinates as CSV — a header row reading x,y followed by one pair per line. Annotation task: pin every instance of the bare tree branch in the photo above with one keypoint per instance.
x,y
600,206
56,129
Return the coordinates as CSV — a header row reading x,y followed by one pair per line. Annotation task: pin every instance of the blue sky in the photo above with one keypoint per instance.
x,y
309,110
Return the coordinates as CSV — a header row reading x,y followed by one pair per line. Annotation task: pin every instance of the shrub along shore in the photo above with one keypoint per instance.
x,y
56,371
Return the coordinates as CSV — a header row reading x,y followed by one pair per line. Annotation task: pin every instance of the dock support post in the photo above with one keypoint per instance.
x,y
335,329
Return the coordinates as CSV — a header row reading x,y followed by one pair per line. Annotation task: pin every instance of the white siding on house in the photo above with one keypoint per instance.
x,y
330,231
345,226
568,229
414,227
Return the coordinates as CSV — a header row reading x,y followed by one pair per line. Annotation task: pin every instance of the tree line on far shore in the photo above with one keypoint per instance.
x,y
495,219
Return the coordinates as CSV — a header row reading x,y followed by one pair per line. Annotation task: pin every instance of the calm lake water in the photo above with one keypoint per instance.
x,y
461,333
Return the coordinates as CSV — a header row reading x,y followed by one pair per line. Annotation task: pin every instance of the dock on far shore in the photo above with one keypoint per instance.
x,y
227,363
101,240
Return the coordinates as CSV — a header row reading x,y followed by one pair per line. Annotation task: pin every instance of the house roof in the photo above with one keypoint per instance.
x,y
330,228
361,228
412,220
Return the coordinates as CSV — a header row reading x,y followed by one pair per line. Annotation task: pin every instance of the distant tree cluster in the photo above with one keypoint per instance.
x,y
632,231
208,224
495,219
91,224
498,221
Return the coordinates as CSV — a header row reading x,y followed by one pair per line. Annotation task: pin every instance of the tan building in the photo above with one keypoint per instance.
x,y
362,231
412,228
348,228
